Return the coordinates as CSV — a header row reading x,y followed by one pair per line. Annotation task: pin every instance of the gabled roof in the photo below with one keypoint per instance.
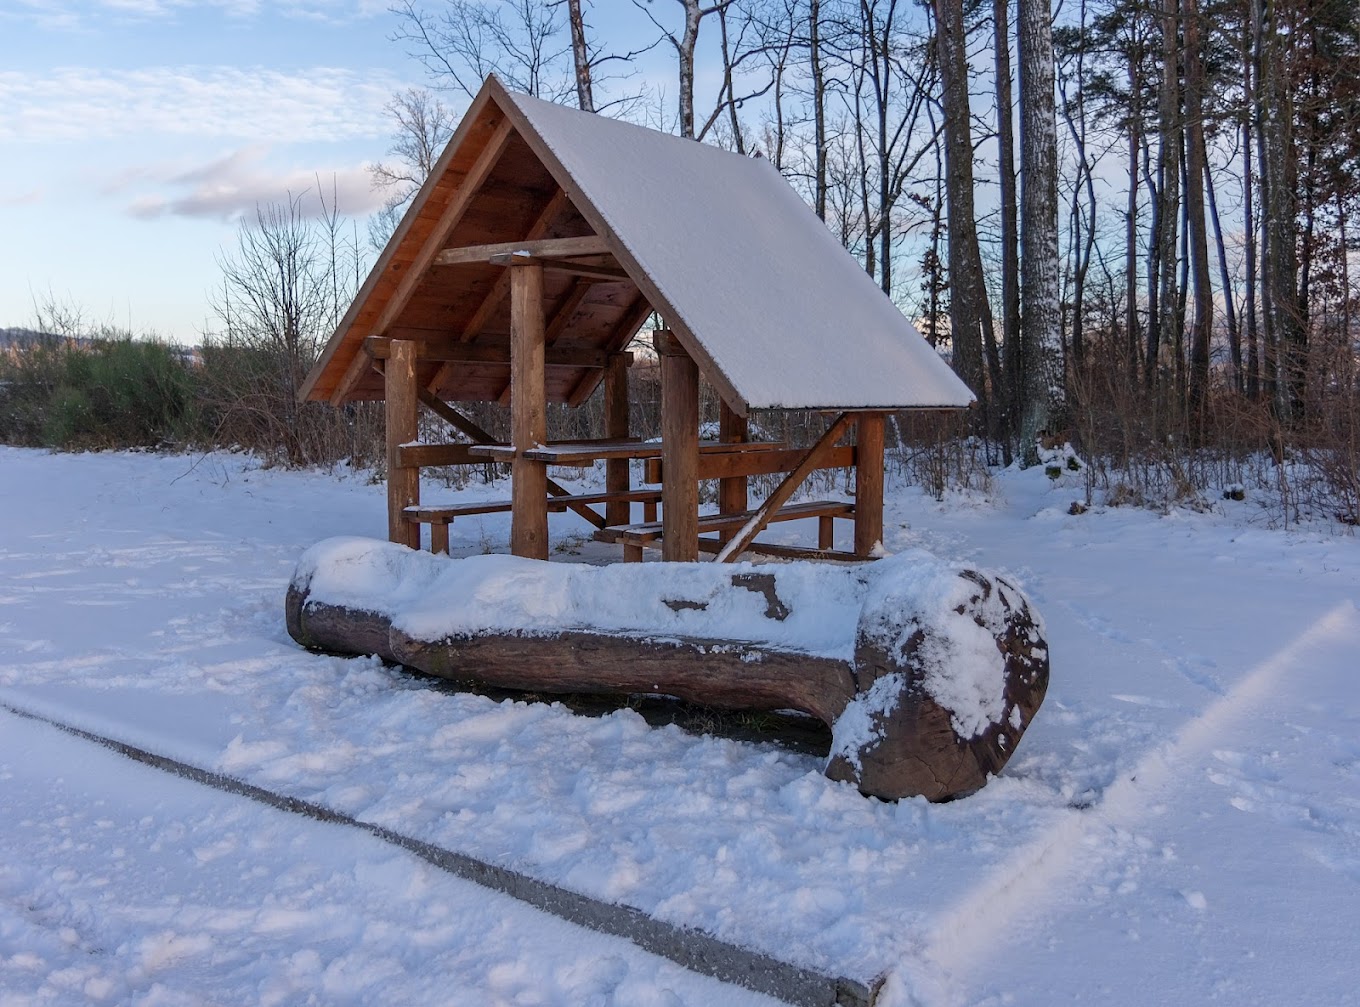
x,y
775,311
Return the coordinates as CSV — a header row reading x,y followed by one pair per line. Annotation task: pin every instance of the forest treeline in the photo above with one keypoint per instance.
x,y
1127,224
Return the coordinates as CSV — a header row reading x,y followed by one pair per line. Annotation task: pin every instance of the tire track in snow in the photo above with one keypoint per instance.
x,y
688,948
1035,877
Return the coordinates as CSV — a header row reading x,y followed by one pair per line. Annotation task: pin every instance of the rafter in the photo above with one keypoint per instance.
x,y
500,290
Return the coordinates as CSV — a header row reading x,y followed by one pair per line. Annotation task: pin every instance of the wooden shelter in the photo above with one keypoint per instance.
x,y
540,244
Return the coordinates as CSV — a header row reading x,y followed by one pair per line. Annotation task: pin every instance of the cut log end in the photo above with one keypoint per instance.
x,y
932,716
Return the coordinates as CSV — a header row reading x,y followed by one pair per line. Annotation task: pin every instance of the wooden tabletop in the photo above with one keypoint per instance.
x,y
585,452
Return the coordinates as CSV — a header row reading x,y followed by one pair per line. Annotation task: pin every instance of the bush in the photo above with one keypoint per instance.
x,y
107,392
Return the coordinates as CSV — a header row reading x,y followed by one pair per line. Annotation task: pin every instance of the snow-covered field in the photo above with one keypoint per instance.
x,y
1181,823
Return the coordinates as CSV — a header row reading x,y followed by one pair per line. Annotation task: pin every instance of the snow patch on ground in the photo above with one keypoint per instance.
x,y
141,596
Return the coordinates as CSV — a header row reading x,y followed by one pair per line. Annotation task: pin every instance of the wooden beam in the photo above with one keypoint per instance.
x,y
419,456
590,244
464,353
679,450
403,481
354,373
868,483
632,320
448,220
728,464
528,412
454,418
732,494
616,479
564,310
561,315
784,490
599,274
477,435
500,290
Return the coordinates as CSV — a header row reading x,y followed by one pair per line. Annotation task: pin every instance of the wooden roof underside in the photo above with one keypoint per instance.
x,y
488,188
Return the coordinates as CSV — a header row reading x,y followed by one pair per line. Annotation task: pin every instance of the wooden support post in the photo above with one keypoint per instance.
x,y
403,482
868,482
732,495
528,412
679,450
616,428
826,532
439,537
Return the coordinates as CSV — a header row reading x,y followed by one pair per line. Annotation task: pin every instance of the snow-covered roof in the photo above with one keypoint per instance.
x,y
756,288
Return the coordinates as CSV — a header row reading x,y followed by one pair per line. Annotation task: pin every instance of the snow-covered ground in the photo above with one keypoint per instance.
x,y
1180,824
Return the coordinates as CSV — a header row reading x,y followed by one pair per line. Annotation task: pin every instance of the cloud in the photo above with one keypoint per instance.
x,y
251,103
74,15
232,186
27,198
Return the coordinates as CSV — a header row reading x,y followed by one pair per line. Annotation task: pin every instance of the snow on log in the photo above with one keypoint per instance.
x,y
927,672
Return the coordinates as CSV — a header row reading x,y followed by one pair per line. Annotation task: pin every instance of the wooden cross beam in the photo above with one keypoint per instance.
x,y
784,490
553,248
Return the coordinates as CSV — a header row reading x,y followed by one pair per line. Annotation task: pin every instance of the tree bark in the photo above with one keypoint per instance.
x,y
1044,400
1009,394
1196,168
580,54
968,295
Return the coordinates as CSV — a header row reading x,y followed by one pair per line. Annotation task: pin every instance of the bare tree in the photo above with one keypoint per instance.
x,y
461,42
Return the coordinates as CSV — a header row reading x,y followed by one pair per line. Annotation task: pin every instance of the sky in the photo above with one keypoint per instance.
x,y
137,133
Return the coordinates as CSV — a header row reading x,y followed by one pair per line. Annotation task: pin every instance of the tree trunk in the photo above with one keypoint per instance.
x,y
1009,393
580,53
1044,402
968,296
818,107
1196,167
1169,201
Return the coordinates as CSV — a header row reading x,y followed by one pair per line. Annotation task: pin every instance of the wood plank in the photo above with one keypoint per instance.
x,y
633,318
454,418
432,513
528,412
482,439
590,244
784,490
716,464
732,492
444,227
616,477
565,308
403,482
589,271
679,450
425,455
473,353
625,497
649,531
868,482
356,371
500,290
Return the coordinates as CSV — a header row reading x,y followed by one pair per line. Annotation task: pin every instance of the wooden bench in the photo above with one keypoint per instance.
x,y
440,516
635,536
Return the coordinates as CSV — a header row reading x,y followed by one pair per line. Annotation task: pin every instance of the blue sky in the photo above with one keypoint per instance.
x,y
136,132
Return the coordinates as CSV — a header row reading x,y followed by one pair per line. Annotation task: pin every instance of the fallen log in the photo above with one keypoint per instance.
x,y
928,673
